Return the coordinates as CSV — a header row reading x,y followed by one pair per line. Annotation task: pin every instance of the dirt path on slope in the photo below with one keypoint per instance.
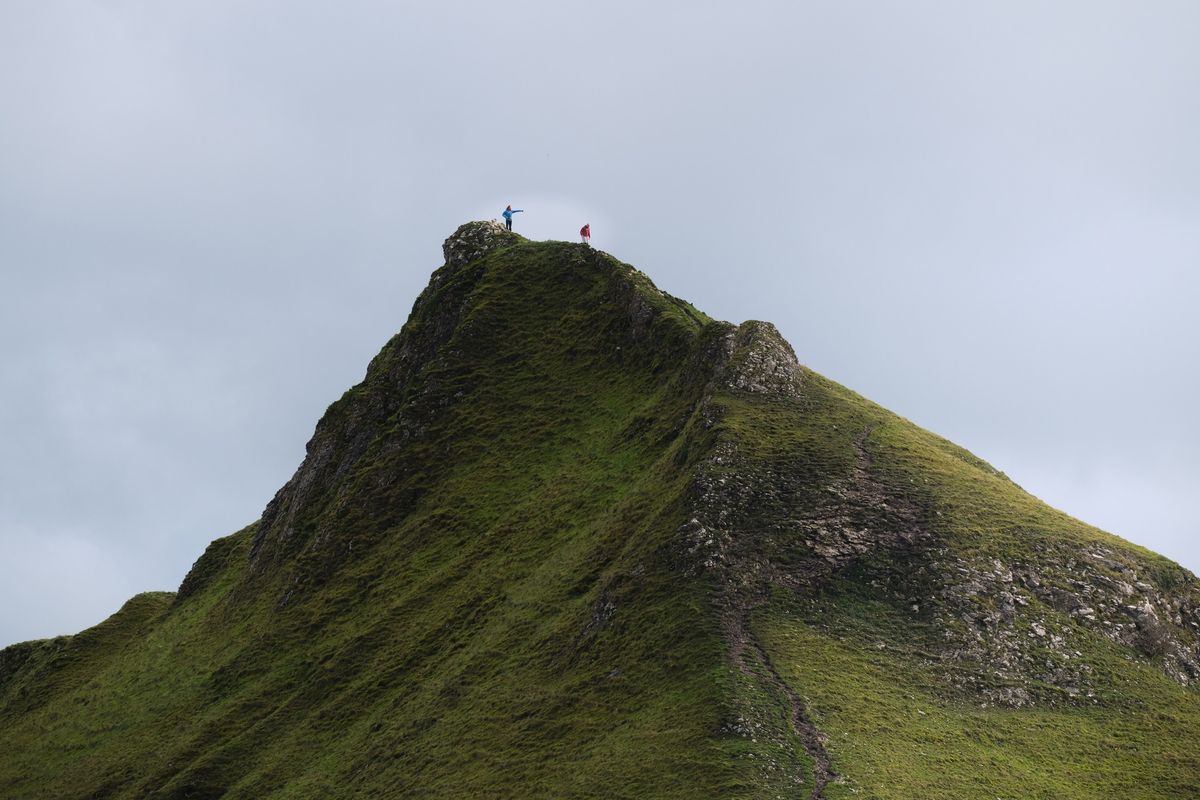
x,y
743,641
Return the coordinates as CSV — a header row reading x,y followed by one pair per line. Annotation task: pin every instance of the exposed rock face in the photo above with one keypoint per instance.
x,y
1013,628
761,361
744,507
473,240
1027,622
726,493
729,537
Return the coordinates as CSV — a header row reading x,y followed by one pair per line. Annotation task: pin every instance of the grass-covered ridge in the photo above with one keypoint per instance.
x,y
572,538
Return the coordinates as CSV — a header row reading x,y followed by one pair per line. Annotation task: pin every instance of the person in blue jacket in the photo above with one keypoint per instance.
x,y
508,212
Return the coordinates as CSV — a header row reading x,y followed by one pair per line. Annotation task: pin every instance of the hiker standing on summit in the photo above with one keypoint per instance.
x,y
508,212
586,234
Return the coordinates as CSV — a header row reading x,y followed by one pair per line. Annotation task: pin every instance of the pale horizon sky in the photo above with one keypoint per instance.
x,y
984,217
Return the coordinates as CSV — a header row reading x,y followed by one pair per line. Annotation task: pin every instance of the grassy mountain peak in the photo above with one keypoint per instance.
x,y
570,537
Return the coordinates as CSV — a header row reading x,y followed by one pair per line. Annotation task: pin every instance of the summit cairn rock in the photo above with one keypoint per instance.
x,y
473,240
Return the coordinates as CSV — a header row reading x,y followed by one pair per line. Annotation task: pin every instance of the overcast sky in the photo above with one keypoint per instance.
x,y
984,216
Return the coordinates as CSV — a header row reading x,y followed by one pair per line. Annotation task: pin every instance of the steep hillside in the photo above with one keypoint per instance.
x,y
572,538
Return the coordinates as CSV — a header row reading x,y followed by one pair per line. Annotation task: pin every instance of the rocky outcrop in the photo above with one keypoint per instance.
x,y
760,361
1027,623
745,507
1012,632
474,240
728,536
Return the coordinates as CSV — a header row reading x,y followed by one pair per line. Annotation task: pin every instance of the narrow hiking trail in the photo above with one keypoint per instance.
x,y
744,643
810,737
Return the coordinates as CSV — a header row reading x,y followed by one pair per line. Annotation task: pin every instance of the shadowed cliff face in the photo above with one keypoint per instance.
x,y
570,537
391,393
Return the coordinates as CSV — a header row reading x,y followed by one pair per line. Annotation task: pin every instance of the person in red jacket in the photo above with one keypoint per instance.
x,y
586,233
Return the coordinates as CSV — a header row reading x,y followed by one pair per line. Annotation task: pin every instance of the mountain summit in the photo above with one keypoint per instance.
x,y
572,538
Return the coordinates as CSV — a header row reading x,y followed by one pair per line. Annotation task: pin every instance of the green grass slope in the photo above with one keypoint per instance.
x,y
570,538
900,657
